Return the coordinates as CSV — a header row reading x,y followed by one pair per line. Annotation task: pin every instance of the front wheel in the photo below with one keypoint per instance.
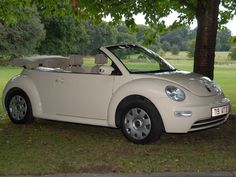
x,y
19,107
141,122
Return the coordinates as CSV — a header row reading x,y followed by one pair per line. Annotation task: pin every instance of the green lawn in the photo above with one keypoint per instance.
x,y
224,75
5,74
47,147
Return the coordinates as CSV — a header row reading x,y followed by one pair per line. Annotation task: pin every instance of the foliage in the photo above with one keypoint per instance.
x,y
100,34
125,38
232,54
21,38
65,35
191,47
70,35
177,37
154,12
175,50
165,46
223,40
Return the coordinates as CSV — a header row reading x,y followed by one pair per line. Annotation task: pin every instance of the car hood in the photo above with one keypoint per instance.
x,y
195,83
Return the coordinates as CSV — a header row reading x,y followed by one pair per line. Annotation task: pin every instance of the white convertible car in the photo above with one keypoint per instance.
x,y
125,86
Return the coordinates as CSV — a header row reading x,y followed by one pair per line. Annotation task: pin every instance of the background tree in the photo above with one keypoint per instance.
x,y
99,35
65,35
223,40
191,47
206,12
23,37
232,54
175,50
177,37
123,35
165,46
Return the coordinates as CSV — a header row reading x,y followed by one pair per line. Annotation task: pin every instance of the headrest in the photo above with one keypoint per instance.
x,y
76,60
101,59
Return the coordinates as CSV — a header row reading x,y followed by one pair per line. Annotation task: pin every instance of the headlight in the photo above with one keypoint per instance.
x,y
175,93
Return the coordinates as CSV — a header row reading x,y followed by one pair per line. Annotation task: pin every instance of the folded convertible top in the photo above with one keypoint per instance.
x,y
53,61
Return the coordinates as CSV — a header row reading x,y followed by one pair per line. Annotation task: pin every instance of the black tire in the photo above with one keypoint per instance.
x,y
141,122
18,107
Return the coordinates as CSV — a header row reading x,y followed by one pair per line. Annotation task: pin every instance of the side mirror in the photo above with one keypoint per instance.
x,y
105,70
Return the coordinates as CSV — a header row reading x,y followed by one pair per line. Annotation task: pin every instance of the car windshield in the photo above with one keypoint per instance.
x,y
140,60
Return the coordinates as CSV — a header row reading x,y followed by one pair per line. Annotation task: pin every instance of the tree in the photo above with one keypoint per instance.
x,y
177,37
223,40
65,35
165,46
205,11
123,35
99,35
191,47
21,38
175,50
232,54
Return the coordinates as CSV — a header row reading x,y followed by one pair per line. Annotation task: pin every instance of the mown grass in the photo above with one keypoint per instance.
x,y
183,55
224,75
47,147
5,74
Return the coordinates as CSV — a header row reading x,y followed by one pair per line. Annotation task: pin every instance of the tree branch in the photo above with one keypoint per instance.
x,y
189,4
75,4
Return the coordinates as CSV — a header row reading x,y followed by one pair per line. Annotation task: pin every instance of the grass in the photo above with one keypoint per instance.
x,y
5,74
47,147
225,76
183,55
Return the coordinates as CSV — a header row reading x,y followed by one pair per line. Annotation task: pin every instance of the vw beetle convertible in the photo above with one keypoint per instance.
x,y
124,86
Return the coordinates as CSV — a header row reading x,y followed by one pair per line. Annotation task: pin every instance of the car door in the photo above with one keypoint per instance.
x,y
83,95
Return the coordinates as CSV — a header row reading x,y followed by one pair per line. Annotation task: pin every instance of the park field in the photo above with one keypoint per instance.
x,y
50,147
225,73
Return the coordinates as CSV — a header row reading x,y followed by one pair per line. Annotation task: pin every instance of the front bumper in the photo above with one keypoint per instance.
x,y
208,123
200,117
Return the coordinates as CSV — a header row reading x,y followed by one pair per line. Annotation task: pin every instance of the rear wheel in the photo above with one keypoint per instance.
x,y
19,107
141,122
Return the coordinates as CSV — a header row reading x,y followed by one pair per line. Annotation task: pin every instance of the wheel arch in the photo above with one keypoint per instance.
x,y
145,88
122,102
27,86
116,120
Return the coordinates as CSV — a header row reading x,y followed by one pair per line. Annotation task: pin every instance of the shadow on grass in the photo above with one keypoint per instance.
x,y
46,147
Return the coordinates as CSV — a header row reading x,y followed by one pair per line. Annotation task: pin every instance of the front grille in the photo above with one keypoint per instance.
x,y
210,122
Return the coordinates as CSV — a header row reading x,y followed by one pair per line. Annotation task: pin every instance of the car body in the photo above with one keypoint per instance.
x,y
129,87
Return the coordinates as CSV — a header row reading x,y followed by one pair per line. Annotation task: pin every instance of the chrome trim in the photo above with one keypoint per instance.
x,y
209,122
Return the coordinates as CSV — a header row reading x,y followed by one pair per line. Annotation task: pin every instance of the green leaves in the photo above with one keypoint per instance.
x,y
21,38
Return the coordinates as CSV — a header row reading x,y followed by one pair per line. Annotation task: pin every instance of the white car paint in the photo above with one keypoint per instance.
x,y
93,98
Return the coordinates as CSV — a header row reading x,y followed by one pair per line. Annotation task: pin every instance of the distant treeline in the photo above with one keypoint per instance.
x,y
66,35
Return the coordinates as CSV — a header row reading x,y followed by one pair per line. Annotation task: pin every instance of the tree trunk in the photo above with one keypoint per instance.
x,y
207,14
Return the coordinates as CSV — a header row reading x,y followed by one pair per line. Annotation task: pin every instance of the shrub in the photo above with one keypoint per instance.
x,y
162,53
165,46
232,53
175,50
191,48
